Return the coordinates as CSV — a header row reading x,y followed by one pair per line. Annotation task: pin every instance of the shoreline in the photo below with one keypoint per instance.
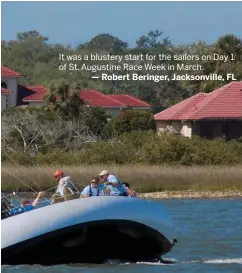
x,y
171,194
192,195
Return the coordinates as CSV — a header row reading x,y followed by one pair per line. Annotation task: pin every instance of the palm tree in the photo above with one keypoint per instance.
x,y
51,97
63,90
75,103
51,94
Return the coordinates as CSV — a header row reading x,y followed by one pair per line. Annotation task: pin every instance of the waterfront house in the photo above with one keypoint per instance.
x,y
210,115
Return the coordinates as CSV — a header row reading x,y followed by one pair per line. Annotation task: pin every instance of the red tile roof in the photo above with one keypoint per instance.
x,y
96,98
130,100
6,72
178,110
92,98
6,91
224,102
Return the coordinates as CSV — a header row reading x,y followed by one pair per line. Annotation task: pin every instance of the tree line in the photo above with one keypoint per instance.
x,y
34,57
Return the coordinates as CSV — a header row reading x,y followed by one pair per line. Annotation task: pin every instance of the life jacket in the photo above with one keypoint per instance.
x,y
90,191
17,210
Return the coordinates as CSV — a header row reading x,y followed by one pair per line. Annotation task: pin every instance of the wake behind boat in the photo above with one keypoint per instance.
x,y
88,230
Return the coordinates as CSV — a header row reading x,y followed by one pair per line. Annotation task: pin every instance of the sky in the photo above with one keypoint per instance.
x,y
73,23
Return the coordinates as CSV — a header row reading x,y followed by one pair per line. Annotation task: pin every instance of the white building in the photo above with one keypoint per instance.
x,y
14,94
9,87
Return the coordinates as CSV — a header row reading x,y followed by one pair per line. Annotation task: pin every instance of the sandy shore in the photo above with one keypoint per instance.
x,y
191,194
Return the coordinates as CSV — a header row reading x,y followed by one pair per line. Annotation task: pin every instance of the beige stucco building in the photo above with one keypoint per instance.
x,y
216,114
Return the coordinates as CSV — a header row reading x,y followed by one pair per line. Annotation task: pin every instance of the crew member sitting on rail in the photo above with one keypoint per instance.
x,y
131,193
113,183
27,206
65,189
94,189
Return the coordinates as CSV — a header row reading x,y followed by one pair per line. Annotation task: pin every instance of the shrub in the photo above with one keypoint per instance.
x,y
144,147
171,149
132,120
97,120
18,158
57,157
108,131
104,152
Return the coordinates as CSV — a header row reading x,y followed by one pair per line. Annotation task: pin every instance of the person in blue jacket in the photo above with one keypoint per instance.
x,y
111,181
27,205
93,189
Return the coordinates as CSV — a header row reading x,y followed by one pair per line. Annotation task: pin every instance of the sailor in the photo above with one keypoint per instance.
x,y
108,191
131,193
6,206
64,189
113,182
27,205
94,189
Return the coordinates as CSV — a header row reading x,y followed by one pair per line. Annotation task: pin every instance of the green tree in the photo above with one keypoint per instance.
x,y
51,94
97,119
21,36
75,105
36,58
105,43
108,130
153,39
230,44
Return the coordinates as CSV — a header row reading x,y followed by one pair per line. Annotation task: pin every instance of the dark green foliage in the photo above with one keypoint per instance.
x,y
97,120
173,149
108,131
141,147
132,120
18,158
105,43
57,156
153,40
104,152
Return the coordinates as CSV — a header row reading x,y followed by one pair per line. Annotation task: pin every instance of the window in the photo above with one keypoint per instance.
x,y
4,85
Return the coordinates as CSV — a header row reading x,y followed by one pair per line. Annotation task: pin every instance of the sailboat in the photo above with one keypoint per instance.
x,y
88,230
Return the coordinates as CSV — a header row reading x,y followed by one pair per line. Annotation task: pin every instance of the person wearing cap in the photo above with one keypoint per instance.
x,y
64,189
131,193
27,205
94,189
111,181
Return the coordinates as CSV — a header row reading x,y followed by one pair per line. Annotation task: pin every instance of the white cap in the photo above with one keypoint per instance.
x,y
103,172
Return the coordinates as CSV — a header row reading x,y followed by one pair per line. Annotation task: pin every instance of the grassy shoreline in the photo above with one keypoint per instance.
x,y
153,181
